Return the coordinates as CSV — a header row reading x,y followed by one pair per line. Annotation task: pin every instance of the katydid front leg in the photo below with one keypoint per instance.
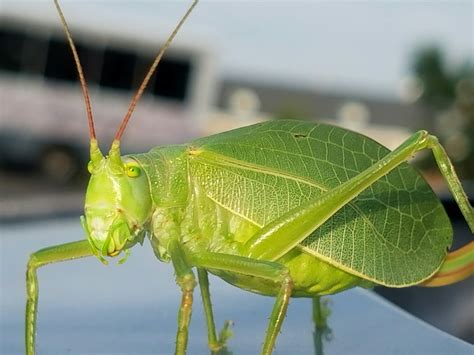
x,y
62,252
280,236
187,282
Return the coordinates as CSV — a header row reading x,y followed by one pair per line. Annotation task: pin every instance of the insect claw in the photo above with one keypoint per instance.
x,y
102,260
125,257
224,335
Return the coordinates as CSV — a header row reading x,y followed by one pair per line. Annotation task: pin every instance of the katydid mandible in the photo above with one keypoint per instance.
x,y
280,208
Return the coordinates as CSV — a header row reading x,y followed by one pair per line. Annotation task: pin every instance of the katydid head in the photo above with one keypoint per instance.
x,y
118,202
118,199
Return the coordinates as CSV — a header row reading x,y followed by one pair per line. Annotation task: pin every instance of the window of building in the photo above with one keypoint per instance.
x,y
172,79
59,61
118,69
11,49
107,67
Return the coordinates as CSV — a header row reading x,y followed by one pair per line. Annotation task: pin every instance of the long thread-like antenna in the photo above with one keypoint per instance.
x,y
139,93
85,91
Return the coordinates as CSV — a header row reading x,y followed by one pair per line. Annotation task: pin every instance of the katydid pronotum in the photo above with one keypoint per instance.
x,y
280,208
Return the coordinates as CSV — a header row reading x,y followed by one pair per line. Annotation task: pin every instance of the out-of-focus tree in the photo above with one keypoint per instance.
x,y
449,92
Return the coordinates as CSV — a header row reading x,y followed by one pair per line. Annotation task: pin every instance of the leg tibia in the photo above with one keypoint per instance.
x,y
321,331
184,318
454,185
278,314
31,310
258,268
42,257
187,282
215,343
459,264
208,313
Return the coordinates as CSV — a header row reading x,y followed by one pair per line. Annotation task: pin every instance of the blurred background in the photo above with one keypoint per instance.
x,y
383,68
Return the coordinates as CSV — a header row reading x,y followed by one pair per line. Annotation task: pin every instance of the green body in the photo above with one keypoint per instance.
x,y
215,193
280,208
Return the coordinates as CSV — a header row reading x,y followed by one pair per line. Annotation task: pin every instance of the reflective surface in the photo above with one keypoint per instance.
x,y
88,308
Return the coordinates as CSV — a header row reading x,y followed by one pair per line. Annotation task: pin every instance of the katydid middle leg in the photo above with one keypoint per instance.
x,y
286,232
216,344
319,325
206,301
187,282
62,252
271,271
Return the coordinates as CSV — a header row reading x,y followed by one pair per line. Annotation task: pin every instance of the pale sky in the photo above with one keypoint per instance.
x,y
351,46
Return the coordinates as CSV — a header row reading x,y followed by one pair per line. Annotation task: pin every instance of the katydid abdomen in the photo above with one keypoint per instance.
x,y
220,190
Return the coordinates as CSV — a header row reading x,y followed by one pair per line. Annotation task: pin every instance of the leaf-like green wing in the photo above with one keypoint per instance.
x,y
394,233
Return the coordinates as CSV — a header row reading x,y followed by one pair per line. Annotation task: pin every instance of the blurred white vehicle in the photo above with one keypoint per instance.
x,y
42,115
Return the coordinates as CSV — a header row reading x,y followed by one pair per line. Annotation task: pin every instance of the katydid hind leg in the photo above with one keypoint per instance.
x,y
322,332
286,232
271,271
452,180
317,331
208,313
217,344
459,264
54,254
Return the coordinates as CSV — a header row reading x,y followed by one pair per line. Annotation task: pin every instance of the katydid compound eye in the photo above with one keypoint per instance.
x,y
90,167
133,171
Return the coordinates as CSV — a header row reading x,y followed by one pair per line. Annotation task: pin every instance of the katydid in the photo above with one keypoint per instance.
x,y
280,208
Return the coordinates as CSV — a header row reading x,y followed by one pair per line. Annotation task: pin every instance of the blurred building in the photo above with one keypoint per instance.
x,y
388,121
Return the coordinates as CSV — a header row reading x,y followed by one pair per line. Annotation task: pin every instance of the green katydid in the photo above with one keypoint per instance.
x,y
280,208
